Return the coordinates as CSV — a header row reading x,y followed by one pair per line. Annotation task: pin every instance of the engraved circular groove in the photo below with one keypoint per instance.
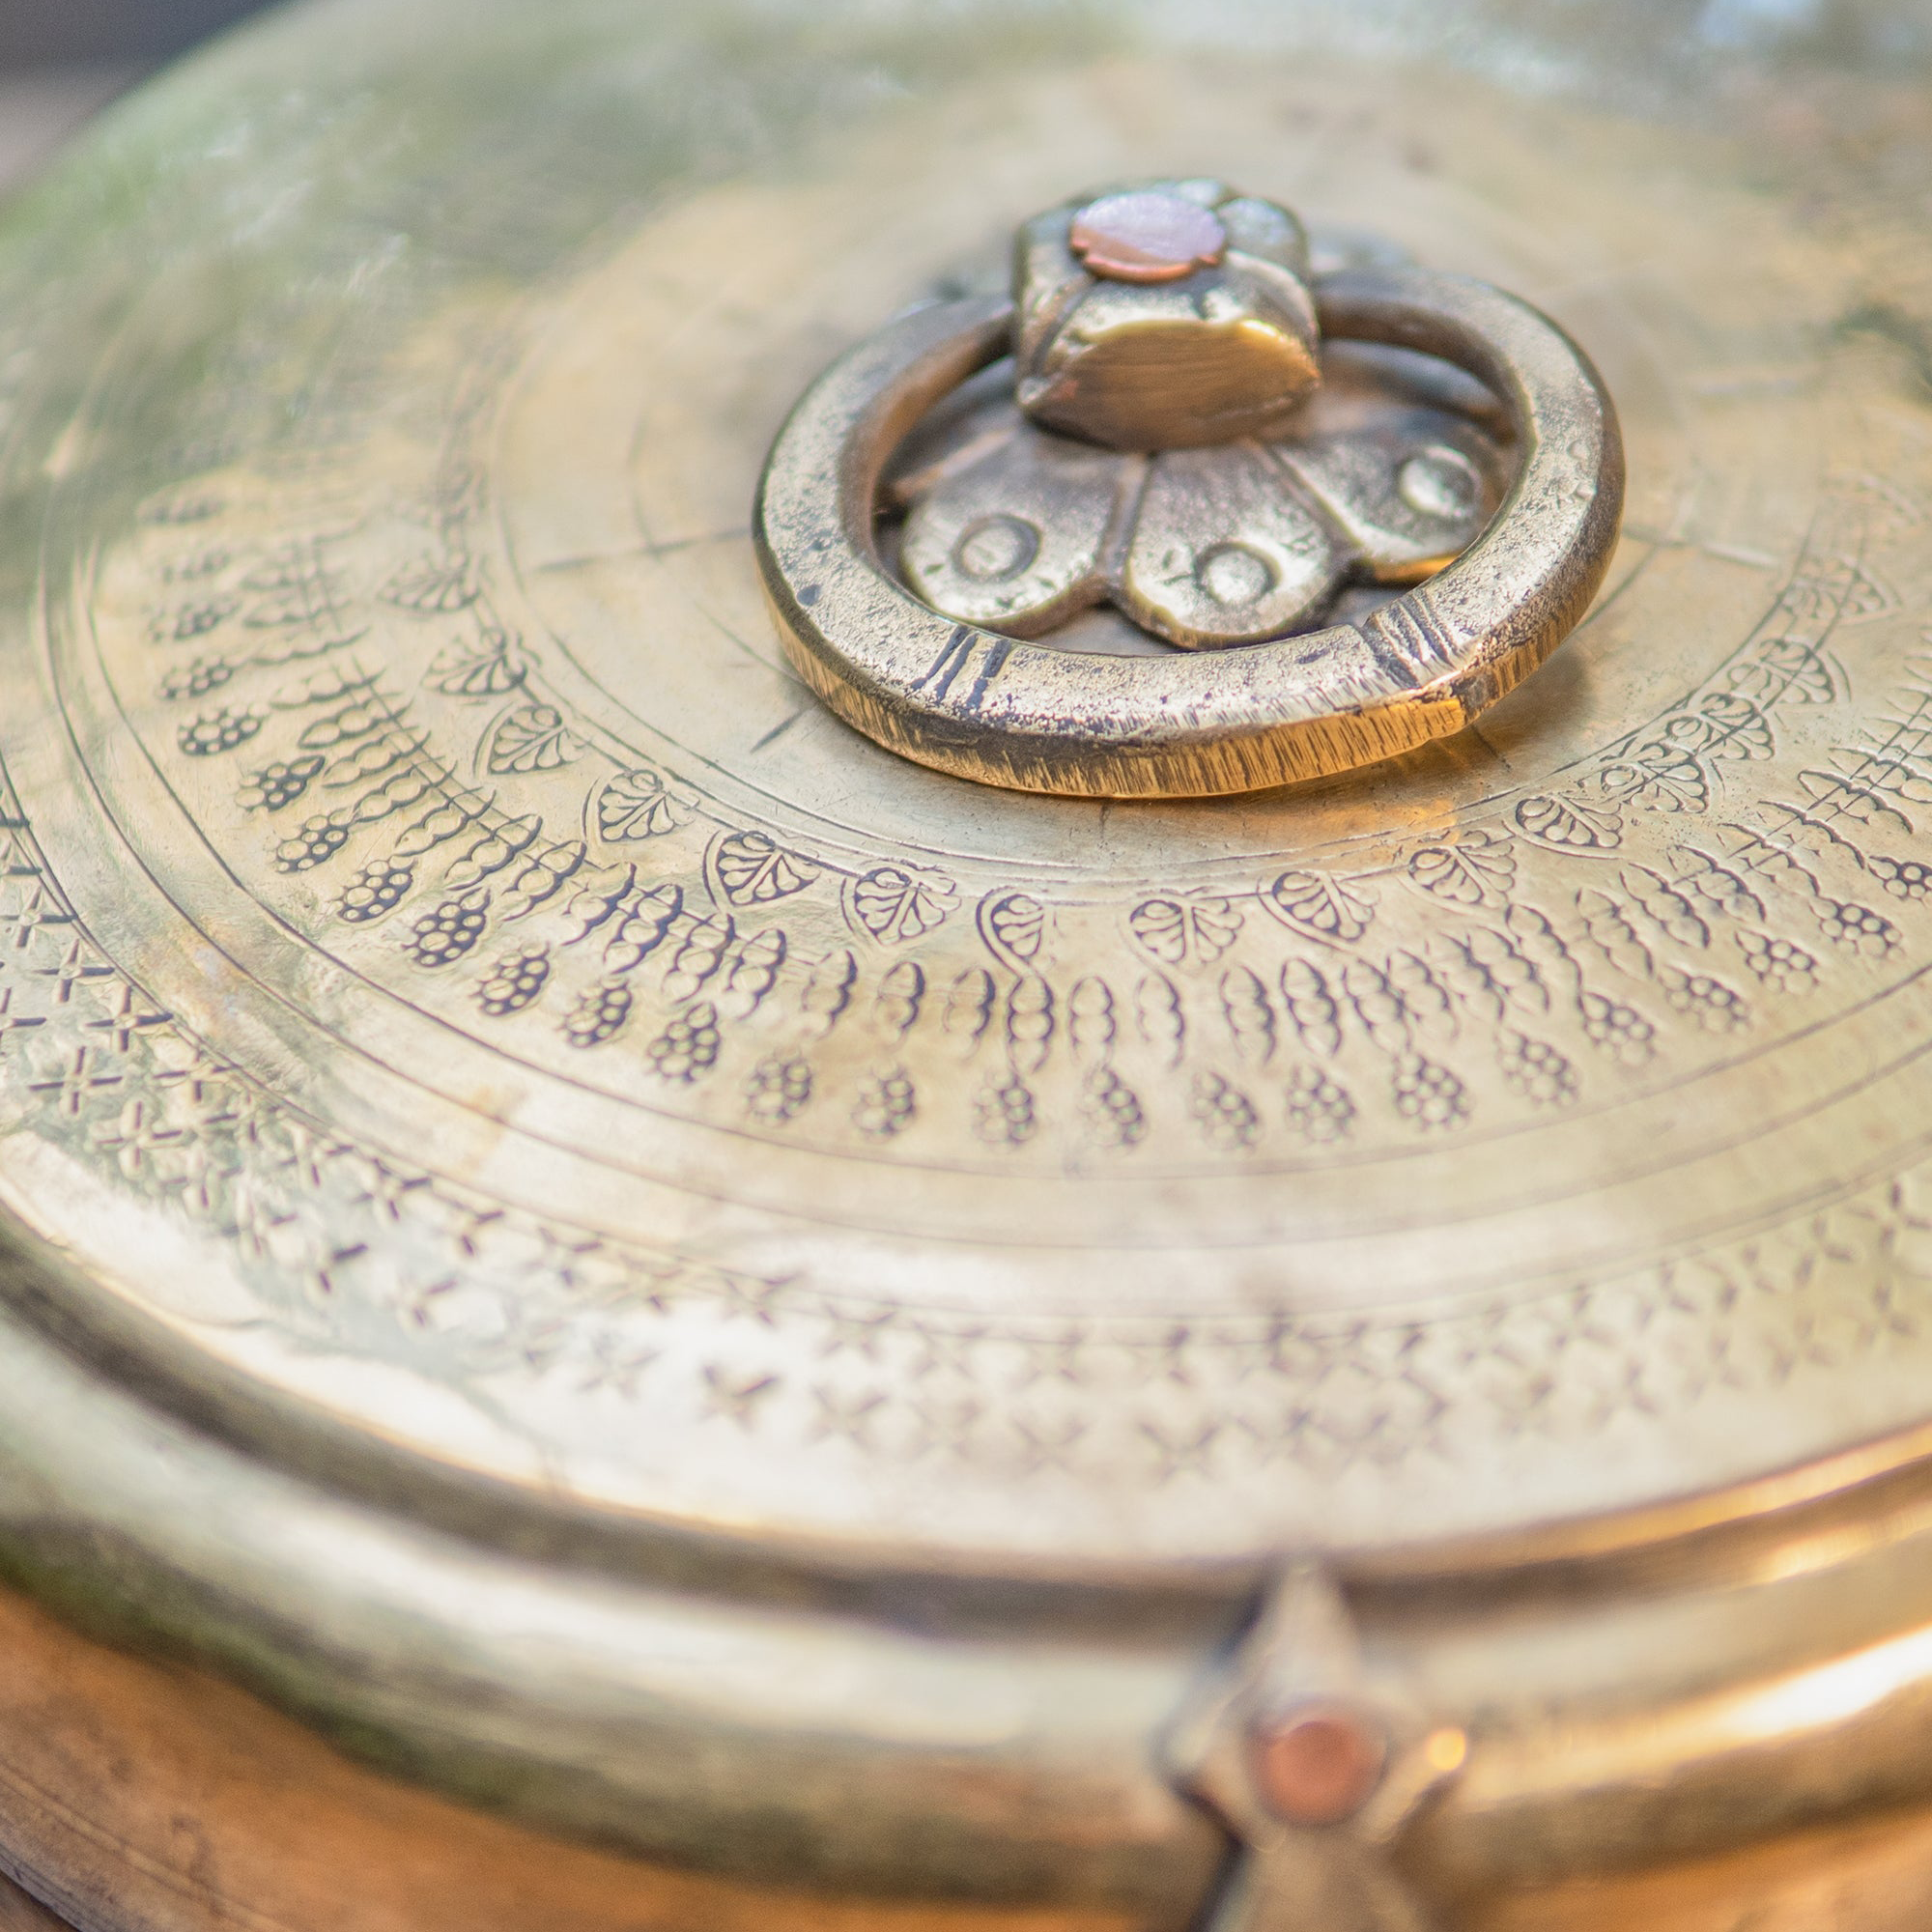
x,y
995,549
1235,576
1439,482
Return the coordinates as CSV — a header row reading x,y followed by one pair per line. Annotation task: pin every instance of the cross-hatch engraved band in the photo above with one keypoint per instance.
x,y
1037,717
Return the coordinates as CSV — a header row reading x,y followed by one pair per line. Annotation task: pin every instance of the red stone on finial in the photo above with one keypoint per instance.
x,y
1316,1765
1146,235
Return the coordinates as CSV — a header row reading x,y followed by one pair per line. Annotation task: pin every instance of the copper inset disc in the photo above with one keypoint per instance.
x,y
1318,1765
1146,236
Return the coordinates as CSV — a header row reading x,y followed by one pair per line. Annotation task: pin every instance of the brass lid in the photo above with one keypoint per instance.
x,y
523,1093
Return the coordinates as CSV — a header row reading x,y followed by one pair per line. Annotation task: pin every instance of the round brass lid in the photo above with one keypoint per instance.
x,y
574,1218
460,983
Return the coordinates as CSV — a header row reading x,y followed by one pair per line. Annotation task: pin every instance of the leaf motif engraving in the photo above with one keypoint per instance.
x,y
533,738
1790,669
1471,872
370,757
1569,827
1742,729
1378,1007
595,902
1014,925
969,1006
699,954
1489,974
1539,942
490,666
752,870
1868,596
894,905
1665,906
1613,936
1663,777
1424,998
1715,888
1182,932
357,720
433,586
542,878
636,804
1319,907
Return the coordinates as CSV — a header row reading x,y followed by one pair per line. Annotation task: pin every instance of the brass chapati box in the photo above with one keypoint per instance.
x,y
962,968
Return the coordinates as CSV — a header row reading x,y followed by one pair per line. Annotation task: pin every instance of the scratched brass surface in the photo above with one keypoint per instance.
x,y
577,1220
668,1095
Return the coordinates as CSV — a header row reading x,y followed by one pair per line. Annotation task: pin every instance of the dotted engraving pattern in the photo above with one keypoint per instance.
x,y
363,1252
651,924
679,958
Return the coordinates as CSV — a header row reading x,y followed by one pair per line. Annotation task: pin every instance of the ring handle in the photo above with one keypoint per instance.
x,y
1032,717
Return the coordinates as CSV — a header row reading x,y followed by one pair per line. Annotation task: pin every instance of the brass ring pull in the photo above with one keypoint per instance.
x,y
1000,708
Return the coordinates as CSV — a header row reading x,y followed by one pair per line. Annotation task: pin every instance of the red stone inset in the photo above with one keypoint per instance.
x,y
1316,1765
1146,235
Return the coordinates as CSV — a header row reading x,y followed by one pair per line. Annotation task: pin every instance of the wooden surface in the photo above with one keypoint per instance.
x,y
22,1912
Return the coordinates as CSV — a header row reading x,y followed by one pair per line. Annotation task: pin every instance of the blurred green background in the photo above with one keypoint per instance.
x,y
61,60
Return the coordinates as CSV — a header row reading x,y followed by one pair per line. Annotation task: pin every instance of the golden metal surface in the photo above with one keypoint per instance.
x,y
760,1312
